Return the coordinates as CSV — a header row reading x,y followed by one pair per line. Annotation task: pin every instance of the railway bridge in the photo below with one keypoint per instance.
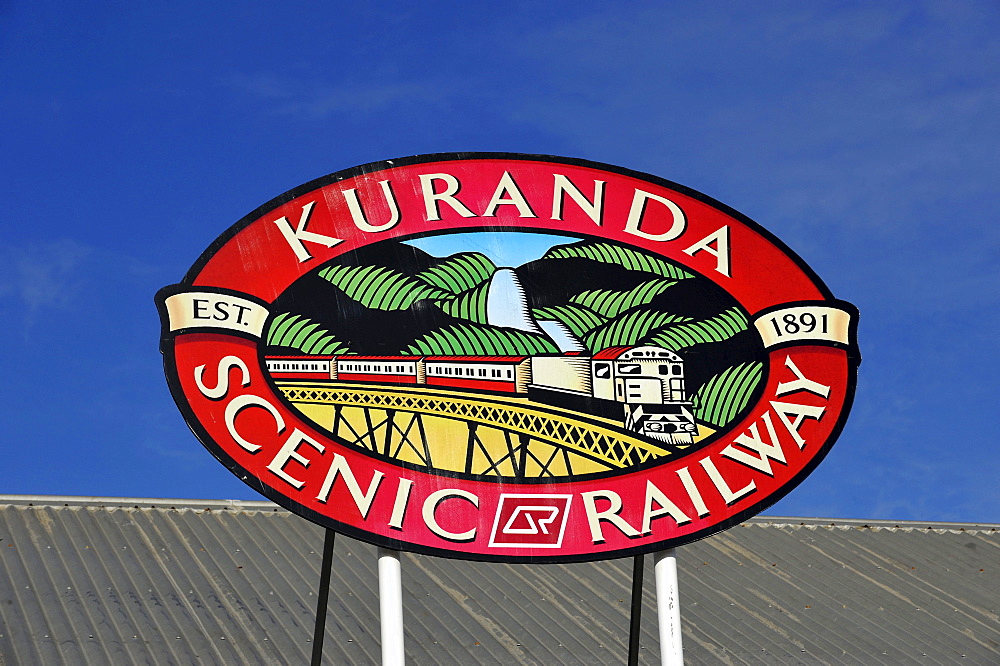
x,y
488,435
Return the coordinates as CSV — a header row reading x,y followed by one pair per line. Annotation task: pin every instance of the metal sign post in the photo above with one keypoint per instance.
x,y
390,602
636,622
668,607
323,598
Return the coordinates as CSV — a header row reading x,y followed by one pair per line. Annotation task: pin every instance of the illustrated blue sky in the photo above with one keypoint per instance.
x,y
501,247
866,135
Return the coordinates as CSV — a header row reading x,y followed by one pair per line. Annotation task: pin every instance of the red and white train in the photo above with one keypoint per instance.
x,y
504,374
648,381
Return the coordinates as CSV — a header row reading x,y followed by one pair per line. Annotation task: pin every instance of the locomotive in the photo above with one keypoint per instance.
x,y
642,386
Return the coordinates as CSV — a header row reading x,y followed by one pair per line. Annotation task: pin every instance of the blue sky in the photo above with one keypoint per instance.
x,y
495,245
865,135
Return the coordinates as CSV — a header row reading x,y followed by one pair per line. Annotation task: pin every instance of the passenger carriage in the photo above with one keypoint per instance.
x,y
380,369
314,368
507,374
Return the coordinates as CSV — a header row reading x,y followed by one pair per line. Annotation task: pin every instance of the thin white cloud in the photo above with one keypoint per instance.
x,y
830,107
158,436
42,275
319,99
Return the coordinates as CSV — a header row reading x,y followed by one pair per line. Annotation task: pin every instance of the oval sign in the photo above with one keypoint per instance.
x,y
509,357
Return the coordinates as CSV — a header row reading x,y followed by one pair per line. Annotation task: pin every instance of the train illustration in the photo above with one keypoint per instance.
x,y
642,386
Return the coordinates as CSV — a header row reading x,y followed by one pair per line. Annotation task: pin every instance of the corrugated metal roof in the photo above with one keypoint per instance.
x,y
116,581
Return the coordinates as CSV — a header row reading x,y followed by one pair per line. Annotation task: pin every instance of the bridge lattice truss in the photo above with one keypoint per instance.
x,y
491,436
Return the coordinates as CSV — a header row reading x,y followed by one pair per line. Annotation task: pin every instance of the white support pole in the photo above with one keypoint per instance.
x,y
390,603
668,607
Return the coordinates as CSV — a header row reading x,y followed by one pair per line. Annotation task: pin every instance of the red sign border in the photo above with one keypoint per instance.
x,y
170,367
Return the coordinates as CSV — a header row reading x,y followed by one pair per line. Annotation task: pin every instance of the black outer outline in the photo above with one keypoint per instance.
x,y
169,366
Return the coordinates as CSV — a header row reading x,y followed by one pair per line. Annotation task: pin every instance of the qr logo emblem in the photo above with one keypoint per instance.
x,y
530,521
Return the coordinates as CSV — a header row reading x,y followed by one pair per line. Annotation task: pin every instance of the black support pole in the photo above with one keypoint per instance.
x,y
323,598
635,625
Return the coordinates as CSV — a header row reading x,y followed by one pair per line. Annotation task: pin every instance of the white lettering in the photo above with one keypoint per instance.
x,y
801,384
765,452
720,251
222,385
594,517
431,504
638,211
288,452
515,198
727,493
358,214
362,500
401,503
667,508
452,186
800,413
297,236
692,490
237,405
593,210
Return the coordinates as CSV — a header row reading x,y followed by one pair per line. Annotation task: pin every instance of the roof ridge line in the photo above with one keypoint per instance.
x,y
63,501
873,523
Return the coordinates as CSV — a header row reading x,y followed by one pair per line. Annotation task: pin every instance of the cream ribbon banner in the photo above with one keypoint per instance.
x,y
804,323
205,309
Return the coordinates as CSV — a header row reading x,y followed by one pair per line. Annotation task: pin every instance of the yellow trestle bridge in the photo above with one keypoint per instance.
x,y
471,433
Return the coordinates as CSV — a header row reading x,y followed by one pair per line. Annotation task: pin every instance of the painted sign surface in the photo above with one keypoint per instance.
x,y
509,357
